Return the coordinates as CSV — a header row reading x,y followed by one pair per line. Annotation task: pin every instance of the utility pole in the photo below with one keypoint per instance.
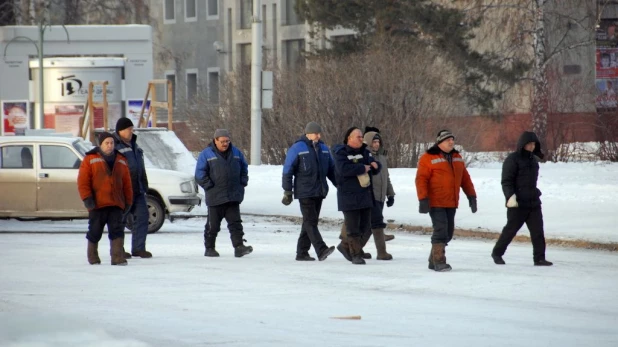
x,y
256,84
38,124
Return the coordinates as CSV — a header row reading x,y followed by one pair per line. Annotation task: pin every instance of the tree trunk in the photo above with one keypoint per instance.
x,y
540,102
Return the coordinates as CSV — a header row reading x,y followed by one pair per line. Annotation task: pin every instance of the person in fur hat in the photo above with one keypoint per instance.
x,y
441,173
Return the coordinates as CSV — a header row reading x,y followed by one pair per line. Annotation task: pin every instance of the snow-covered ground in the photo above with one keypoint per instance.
x,y
50,296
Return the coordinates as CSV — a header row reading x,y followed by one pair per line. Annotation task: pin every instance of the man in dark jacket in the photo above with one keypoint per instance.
x,y
223,173
126,143
520,172
354,166
307,165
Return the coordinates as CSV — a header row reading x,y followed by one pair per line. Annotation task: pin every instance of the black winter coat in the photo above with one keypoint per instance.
x,y
520,172
349,163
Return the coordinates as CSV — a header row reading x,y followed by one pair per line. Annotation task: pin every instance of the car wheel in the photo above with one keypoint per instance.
x,y
156,215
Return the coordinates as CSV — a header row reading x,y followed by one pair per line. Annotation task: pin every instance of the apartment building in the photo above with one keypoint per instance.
x,y
198,41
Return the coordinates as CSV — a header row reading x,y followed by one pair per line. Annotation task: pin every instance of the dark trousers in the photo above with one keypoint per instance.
x,y
231,212
357,222
309,232
140,223
443,220
377,218
515,219
98,218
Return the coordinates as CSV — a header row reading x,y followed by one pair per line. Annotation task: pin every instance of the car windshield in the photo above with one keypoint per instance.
x,y
82,146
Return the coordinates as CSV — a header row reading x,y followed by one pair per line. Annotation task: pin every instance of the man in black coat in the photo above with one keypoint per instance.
x,y
520,172
354,164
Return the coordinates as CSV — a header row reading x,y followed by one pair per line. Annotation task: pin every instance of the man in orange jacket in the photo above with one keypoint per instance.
x,y
440,175
104,184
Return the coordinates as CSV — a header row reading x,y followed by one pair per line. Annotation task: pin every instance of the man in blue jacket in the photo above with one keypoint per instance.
x,y
126,143
307,165
223,173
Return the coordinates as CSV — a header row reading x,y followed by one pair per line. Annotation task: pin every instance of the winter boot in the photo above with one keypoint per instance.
x,y
344,247
378,237
543,262
430,266
356,251
127,255
116,250
141,254
326,252
211,252
305,257
439,257
93,253
497,259
388,237
242,250
364,239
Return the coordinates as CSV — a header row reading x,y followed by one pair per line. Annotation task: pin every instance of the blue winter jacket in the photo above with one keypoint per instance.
x,y
349,163
223,179
305,172
135,159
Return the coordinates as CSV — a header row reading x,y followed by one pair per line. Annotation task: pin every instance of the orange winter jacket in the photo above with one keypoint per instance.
x,y
107,187
440,181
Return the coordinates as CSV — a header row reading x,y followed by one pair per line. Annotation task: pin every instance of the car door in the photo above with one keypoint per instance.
x,y
57,181
17,180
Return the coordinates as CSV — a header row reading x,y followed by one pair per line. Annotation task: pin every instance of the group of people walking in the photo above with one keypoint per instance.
x,y
357,168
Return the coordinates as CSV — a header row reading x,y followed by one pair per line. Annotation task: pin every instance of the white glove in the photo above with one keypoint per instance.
x,y
512,202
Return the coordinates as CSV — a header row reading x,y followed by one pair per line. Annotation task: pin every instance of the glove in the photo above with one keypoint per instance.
x,y
472,200
89,203
423,206
390,201
512,202
287,198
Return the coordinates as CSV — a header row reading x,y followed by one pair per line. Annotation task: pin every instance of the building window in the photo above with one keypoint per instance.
x,y
291,18
170,76
191,85
169,12
245,54
213,85
190,10
294,53
213,9
246,12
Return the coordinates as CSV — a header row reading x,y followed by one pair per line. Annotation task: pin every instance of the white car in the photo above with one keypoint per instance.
x,y
38,180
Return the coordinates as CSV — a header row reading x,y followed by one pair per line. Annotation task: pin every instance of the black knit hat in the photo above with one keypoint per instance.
x,y
103,136
123,123
368,129
347,134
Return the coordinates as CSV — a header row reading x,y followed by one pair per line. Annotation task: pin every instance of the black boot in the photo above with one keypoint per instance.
x,y
497,259
326,252
211,252
543,262
304,257
242,250
344,249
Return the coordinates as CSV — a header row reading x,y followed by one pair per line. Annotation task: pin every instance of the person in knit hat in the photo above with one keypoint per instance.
x,y
440,174
308,163
222,171
126,143
102,172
